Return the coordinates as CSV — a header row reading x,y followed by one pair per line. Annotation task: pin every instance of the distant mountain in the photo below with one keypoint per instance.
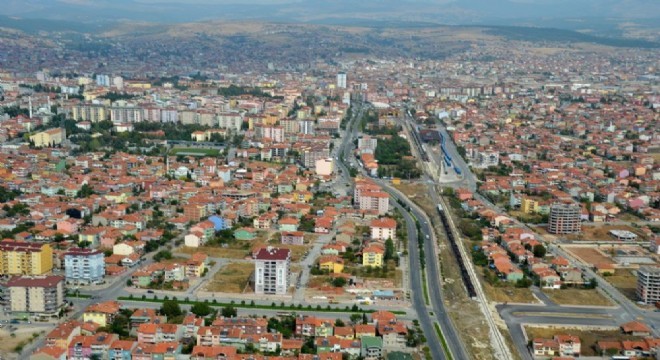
x,y
437,11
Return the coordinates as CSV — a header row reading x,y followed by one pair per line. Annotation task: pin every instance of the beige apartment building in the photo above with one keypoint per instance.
x,y
43,295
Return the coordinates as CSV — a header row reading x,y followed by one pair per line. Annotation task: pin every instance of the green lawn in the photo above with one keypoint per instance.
x,y
194,152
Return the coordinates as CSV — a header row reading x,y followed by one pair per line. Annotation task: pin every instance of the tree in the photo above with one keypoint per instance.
x,y
162,255
229,311
364,319
389,249
339,322
355,318
338,282
201,309
85,191
539,251
170,308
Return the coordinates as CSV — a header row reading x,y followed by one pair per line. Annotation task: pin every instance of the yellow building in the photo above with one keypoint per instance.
x,y
25,258
101,313
529,205
48,138
332,264
372,255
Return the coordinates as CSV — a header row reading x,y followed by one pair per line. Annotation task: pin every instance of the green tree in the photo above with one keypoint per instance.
x,y
162,255
170,308
539,251
229,311
338,282
201,309
389,249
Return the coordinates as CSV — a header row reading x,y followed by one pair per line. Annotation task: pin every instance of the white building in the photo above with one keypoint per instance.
x,y
341,80
84,265
648,284
375,200
271,271
324,167
383,229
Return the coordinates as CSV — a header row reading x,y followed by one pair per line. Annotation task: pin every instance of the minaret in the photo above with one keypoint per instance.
x,y
30,104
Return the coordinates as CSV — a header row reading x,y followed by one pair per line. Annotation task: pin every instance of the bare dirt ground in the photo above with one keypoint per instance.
x,y
590,256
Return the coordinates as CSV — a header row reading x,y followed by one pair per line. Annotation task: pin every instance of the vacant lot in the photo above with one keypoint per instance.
x,y
588,337
237,250
624,281
507,293
590,256
578,297
601,232
232,278
9,344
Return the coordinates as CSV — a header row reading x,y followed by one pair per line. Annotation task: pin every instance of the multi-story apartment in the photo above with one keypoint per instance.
x,y
313,153
271,269
648,284
90,112
126,114
42,295
84,265
375,200
25,258
564,219
367,144
341,80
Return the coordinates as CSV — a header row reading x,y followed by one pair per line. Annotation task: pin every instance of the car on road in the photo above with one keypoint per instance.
x,y
150,291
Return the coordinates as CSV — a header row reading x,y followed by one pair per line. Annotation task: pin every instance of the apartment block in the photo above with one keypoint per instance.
x,y
25,258
36,295
648,284
271,269
84,265
564,219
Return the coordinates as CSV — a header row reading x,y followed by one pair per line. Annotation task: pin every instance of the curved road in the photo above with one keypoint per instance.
x,y
454,342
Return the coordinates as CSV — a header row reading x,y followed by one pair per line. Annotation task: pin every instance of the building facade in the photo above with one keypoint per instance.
x,y
271,271
25,258
564,219
648,284
84,266
42,295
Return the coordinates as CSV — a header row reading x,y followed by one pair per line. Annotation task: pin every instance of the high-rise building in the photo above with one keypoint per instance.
x,y
564,219
341,80
102,80
271,271
84,265
648,284
36,295
25,258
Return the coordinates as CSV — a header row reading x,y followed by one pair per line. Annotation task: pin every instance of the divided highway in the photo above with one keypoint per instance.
x,y
454,342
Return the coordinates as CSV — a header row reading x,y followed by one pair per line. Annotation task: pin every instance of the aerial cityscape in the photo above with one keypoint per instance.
x,y
298,180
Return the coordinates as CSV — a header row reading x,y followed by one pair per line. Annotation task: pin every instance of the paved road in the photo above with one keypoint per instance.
x,y
454,342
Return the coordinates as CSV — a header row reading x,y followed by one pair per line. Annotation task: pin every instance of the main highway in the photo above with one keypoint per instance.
x,y
625,310
454,342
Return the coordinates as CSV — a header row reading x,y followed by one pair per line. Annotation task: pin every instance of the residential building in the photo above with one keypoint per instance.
x,y
42,295
648,284
101,313
564,219
372,347
378,201
84,265
271,271
341,80
383,229
25,258
372,255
